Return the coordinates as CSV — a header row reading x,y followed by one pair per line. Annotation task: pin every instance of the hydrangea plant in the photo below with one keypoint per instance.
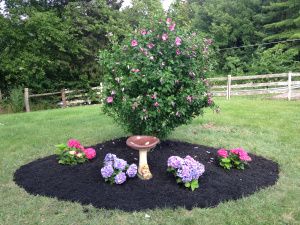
x,y
236,158
74,153
186,171
155,79
116,170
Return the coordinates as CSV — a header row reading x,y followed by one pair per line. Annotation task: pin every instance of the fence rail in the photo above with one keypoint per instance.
x,y
228,89
254,88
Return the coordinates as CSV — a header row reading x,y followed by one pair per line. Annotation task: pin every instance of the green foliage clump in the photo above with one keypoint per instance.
x,y
16,100
155,79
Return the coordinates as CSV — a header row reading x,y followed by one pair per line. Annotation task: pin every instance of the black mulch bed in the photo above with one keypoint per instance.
x,y
84,184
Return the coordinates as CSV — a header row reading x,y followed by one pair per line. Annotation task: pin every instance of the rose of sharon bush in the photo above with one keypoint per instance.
x,y
186,170
73,153
155,78
236,158
115,169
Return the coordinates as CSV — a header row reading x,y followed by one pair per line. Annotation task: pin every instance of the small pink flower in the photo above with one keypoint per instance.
x,y
109,99
169,21
177,114
189,98
150,45
235,151
222,153
90,153
178,41
156,104
153,96
178,52
73,143
135,70
134,43
143,32
209,101
172,27
164,37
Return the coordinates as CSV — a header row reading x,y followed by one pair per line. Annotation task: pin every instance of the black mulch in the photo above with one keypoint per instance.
x,y
84,184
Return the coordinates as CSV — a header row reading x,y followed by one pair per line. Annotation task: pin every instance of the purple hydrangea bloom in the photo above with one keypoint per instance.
x,y
187,169
120,164
185,174
107,171
132,170
120,178
109,159
175,162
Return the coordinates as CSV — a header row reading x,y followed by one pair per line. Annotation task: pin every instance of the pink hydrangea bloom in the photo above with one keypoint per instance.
x,y
150,45
172,27
90,153
156,104
169,21
178,52
178,41
109,99
164,37
134,43
143,32
246,158
222,153
243,155
73,143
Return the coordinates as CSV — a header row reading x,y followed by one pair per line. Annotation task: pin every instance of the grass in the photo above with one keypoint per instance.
x,y
264,127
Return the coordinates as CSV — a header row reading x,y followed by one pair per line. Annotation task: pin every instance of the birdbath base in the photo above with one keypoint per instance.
x,y
143,144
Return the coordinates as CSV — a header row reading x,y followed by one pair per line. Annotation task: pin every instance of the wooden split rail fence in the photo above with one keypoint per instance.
x,y
284,84
65,101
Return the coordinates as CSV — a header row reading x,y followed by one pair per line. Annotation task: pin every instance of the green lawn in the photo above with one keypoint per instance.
x,y
264,127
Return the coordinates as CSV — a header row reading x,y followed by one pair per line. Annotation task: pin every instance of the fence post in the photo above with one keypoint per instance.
x,y
63,97
26,99
290,85
228,93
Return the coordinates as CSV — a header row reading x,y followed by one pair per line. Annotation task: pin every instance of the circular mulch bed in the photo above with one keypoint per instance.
x,y
83,183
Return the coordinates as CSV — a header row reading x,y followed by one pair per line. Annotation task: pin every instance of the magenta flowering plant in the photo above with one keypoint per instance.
x,y
236,158
155,78
186,171
116,170
73,153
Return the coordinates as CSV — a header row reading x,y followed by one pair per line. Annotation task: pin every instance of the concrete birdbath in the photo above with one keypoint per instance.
x,y
143,144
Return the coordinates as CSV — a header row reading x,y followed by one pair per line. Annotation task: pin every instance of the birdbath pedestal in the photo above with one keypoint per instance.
x,y
143,144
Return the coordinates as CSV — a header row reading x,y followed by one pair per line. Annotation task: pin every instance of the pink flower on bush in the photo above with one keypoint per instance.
x,y
134,43
109,99
172,27
169,21
90,153
164,37
143,32
150,45
178,41
156,104
246,158
189,98
135,70
222,153
178,52
73,143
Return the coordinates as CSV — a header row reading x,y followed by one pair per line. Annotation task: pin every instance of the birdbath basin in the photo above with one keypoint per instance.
x,y
143,144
